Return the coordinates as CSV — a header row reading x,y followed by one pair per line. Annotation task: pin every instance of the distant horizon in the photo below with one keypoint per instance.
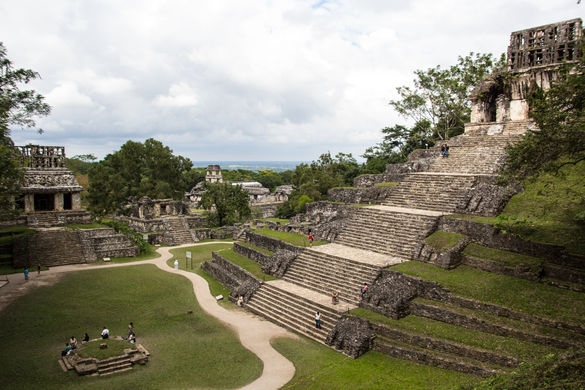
x,y
251,165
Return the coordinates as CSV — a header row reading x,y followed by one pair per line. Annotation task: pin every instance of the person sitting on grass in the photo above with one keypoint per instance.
x,y
73,342
105,333
85,339
132,338
67,350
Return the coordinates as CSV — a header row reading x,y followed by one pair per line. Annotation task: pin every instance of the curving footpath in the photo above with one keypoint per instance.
x,y
255,333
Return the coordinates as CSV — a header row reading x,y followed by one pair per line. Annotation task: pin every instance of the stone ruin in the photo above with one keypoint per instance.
x,y
499,103
49,187
260,197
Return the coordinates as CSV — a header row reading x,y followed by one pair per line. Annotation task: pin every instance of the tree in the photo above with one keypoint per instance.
x,y
440,96
559,115
437,105
228,203
17,107
137,170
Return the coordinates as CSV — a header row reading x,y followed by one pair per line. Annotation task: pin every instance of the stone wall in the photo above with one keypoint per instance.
x,y
351,335
488,198
419,160
145,225
265,210
372,195
269,243
491,236
232,276
448,258
49,248
392,292
252,254
325,219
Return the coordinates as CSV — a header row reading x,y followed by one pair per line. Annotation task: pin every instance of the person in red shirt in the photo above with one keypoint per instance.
x,y
310,239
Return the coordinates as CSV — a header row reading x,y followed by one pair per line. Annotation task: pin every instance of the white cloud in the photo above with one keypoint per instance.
x,y
180,95
68,94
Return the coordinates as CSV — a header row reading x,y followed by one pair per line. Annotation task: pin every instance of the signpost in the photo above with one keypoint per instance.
x,y
188,257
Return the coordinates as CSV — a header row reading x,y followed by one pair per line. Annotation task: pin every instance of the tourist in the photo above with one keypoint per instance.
x,y
240,301
67,350
85,339
39,270
105,333
131,330
310,238
26,273
176,264
132,338
318,320
334,297
363,291
73,342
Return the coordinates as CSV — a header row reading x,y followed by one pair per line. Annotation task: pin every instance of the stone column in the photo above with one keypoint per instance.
x,y
58,203
29,203
76,201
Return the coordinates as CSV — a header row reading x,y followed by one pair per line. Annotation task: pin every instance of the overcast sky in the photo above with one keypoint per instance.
x,y
243,80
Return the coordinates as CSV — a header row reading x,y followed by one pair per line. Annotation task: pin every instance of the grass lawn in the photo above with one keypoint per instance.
x,y
249,265
291,238
92,349
517,294
319,367
200,254
188,350
443,240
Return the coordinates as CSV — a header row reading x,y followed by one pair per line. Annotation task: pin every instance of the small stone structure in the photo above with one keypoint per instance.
x,y
213,174
51,194
137,354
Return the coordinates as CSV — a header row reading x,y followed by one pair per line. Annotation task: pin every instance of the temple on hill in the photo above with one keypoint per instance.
x,y
500,103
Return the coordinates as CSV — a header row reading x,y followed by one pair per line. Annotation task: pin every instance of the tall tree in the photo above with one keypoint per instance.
x,y
17,108
137,170
228,203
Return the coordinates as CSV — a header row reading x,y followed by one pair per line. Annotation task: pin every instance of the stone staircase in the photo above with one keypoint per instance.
x,y
387,232
294,311
114,365
177,231
107,243
428,191
42,218
325,274
470,160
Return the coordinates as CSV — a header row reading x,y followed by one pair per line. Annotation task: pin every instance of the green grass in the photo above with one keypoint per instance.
x,y
249,265
291,238
17,230
545,211
187,349
92,349
507,258
197,211
200,254
517,294
77,226
522,350
443,240
388,184
319,367
282,221
265,251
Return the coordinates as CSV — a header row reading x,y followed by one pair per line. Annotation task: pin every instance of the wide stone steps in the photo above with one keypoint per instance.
x,y
113,365
293,312
475,160
431,192
178,232
326,274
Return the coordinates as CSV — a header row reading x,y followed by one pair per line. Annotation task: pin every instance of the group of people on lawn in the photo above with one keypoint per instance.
x,y
72,345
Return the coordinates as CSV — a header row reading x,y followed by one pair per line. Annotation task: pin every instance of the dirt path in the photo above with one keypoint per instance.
x,y
255,333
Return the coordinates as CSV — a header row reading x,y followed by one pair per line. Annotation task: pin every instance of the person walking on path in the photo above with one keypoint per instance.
x,y
26,273
318,320
176,264
39,270
310,239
